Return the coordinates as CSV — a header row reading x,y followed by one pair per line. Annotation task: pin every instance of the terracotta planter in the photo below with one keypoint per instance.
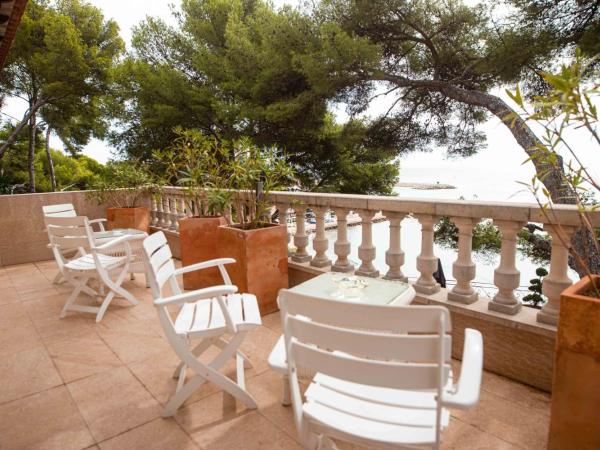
x,y
574,420
261,266
137,218
198,241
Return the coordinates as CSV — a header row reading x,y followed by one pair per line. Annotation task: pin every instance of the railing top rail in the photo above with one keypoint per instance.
x,y
476,209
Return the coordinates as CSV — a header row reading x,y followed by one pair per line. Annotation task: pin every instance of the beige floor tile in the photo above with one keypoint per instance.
x,y
156,372
517,393
509,421
21,336
156,435
82,356
113,402
8,294
267,389
258,345
460,435
136,342
47,420
25,373
273,322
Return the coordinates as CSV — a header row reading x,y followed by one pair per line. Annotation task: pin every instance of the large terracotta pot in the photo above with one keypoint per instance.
x,y
137,218
575,420
261,266
199,242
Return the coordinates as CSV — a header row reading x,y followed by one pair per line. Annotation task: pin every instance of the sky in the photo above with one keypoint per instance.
x,y
493,174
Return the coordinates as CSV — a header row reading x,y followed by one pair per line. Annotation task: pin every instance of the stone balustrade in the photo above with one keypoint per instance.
x,y
508,217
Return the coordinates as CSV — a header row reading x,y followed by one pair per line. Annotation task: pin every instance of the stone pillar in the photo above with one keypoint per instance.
x,y
463,268
342,245
160,215
394,257
557,279
153,210
366,250
506,275
166,215
426,262
320,242
300,238
284,215
174,214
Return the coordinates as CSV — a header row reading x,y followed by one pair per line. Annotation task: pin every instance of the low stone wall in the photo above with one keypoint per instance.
x,y
518,348
22,235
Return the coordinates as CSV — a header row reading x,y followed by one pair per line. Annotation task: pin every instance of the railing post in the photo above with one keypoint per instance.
x,y
284,215
366,250
300,238
557,279
463,268
506,275
394,256
174,216
160,218
320,242
426,261
342,246
166,216
153,210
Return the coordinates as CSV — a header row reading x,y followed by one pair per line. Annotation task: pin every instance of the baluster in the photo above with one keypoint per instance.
x,y
320,242
159,211
153,211
174,215
427,263
300,238
166,213
557,279
342,245
284,216
506,275
463,268
394,257
366,250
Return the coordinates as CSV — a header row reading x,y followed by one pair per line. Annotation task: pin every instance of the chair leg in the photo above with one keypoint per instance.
x,y
79,286
210,373
58,279
221,343
196,351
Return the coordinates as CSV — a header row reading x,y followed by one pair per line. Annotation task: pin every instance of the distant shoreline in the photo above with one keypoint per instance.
x,y
425,186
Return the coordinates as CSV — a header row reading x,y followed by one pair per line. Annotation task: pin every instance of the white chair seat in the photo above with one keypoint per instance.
x,y
360,412
205,318
86,262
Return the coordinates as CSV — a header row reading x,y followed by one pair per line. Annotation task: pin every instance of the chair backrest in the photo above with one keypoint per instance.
x,y
67,234
61,210
160,265
397,347
379,345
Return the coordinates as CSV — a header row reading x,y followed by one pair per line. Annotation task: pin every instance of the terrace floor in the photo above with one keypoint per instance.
x,y
74,384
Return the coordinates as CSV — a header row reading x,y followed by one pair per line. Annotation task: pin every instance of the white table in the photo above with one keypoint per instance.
x,y
376,292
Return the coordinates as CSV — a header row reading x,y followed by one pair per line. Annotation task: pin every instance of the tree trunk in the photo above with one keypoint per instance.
x,y
24,121
31,161
50,160
554,180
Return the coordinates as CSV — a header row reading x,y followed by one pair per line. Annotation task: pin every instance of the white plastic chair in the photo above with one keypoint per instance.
x,y
383,375
66,210
206,315
75,234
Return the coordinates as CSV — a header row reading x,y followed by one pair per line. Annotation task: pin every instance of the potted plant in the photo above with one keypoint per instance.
x,y
125,188
571,104
258,246
201,165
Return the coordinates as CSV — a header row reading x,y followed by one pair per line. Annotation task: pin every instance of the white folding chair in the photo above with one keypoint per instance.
x,y
206,315
75,234
66,210
383,375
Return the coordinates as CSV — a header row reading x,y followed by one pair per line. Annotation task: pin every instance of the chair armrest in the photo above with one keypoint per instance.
x,y
469,383
204,265
200,294
113,243
99,222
